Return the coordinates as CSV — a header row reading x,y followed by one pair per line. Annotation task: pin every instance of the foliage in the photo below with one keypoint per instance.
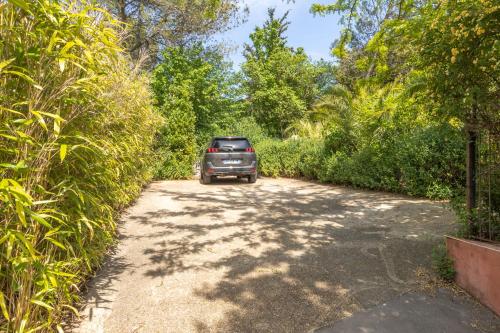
x,y
159,24
76,126
442,263
305,128
289,158
280,82
361,20
458,55
378,139
176,141
194,89
245,126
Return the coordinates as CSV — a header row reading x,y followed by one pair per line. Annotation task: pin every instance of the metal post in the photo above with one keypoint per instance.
x,y
471,172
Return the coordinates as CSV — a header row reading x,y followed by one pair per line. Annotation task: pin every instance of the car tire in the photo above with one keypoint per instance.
x,y
205,180
252,179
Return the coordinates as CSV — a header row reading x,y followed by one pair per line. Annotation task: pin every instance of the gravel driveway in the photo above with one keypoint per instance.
x,y
280,255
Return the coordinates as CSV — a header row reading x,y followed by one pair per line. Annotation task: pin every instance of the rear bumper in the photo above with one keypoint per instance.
x,y
210,170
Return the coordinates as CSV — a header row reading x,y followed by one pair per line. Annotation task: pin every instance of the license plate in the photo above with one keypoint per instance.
x,y
231,161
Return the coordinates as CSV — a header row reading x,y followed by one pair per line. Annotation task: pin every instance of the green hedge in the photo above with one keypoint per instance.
x,y
427,162
76,130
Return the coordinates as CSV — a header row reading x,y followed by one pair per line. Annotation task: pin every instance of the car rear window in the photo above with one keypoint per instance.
x,y
235,144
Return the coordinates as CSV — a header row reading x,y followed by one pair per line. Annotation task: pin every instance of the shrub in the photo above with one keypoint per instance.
x,y
442,263
289,158
176,142
246,126
76,125
424,162
269,157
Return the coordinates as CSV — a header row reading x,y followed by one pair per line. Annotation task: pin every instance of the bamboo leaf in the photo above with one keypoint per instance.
x,y
62,273
24,321
21,75
10,137
57,127
43,202
4,306
27,244
41,303
62,151
5,63
66,47
40,119
11,111
52,115
75,311
20,3
40,220
56,243
4,238
53,40
20,213
10,245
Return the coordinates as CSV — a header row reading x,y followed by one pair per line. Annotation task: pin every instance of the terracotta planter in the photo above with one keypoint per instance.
x,y
478,269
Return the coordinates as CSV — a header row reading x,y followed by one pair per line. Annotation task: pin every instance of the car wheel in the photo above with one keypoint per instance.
x,y
252,179
204,179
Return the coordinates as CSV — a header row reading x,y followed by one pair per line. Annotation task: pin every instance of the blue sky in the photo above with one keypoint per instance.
x,y
314,34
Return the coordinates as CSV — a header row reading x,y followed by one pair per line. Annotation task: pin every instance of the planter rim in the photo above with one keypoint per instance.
x,y
491,246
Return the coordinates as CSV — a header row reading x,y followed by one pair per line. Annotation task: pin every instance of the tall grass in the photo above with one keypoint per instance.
x,y
76,127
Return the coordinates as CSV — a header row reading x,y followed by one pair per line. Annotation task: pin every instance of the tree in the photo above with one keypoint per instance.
x,y
195,91
362,19
458,45
158,24
361,50
280,82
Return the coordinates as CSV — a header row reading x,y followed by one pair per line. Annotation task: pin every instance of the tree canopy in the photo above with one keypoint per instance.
x,y
280,82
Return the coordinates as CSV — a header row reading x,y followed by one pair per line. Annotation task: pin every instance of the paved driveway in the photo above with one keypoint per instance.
x,y
280,255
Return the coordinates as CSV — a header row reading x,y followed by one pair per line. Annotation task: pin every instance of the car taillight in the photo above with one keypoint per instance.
x,y
212,150
250,150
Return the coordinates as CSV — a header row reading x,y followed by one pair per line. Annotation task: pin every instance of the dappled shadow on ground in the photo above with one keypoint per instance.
x,y
294,255
100,290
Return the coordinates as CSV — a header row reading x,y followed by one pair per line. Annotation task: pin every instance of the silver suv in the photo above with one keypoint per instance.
x,y
229,156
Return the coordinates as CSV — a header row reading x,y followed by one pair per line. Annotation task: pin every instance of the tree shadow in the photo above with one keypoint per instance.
x,y
293,258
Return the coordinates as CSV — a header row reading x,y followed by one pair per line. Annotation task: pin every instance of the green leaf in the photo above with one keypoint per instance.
x,y
62,151
20,3
75,311
40,220
57,127
62,273
53,40
41,303
5,63
11,111
20,213
66,47
10,137
40,119
56,243
21,75
27,244
4,238
10,245
4,306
